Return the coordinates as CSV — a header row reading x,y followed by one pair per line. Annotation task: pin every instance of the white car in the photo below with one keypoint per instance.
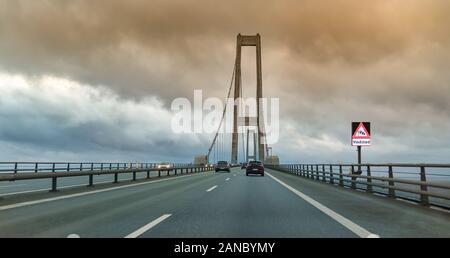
x,y
165,166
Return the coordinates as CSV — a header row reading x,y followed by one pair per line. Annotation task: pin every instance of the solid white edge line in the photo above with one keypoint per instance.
x,y
61,187
355,228
145,228
22,204
6,186
212,188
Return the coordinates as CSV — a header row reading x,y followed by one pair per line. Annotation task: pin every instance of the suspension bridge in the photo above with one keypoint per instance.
x,y
131,200
247,130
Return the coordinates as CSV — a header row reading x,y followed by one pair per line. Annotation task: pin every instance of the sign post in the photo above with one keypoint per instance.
x,y
360,137
359,158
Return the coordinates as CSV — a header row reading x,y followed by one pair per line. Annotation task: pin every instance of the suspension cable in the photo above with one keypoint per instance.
x,y
224,109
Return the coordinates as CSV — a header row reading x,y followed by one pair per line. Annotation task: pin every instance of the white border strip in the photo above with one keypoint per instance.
x,y
6,186
145,228
355,228
60,187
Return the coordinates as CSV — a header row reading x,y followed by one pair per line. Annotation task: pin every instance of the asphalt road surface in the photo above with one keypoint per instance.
x,y
210,204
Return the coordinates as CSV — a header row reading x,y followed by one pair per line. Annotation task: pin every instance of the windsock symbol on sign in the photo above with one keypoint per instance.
x,y
361,132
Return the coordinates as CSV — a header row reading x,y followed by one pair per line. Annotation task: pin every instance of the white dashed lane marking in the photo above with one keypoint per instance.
x,y
212,188
147,227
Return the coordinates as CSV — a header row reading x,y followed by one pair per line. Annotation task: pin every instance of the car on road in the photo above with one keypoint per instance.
x,y
165,166
254,167
222,166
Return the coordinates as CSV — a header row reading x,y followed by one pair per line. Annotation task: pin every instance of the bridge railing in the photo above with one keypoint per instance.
x,y
426,184
11,171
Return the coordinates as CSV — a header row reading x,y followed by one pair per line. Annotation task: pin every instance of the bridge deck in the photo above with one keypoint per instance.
x,y
238,207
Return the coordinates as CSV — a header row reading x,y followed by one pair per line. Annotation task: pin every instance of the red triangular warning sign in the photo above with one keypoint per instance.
x,y
361,132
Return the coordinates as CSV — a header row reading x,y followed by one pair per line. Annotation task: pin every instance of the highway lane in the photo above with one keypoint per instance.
x,y
113,213
197,200
387,217
251,206
216,205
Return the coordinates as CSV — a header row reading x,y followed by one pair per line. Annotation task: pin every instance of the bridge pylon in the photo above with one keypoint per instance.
x,y
248,40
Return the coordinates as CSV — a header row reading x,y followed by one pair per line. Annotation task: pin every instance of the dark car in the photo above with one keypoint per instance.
x,y
222,166
244,166
255,167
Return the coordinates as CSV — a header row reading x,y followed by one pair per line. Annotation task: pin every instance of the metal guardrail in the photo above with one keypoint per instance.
x,y
410,182
11,171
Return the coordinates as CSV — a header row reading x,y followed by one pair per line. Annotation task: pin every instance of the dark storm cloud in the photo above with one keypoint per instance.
x,y
330,62
135,46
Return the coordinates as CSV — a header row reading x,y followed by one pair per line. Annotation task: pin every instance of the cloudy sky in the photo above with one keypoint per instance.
x,y
94,80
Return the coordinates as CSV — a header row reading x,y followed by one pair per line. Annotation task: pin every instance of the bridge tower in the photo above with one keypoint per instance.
x,y
248,40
